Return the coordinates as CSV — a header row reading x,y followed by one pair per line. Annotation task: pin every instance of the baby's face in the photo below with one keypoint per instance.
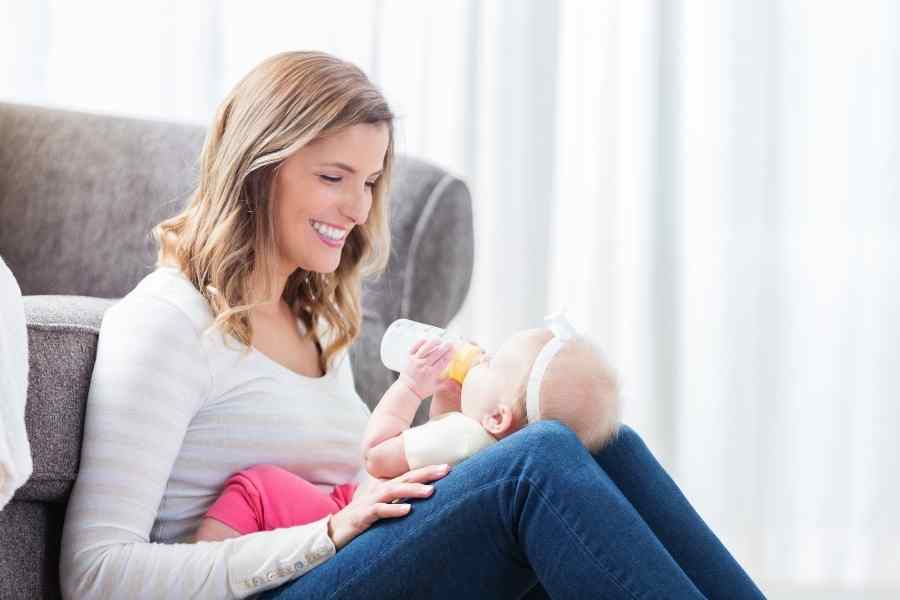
x,y
495,379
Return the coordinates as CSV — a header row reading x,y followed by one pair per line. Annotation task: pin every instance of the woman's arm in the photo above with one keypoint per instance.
x,y
150,377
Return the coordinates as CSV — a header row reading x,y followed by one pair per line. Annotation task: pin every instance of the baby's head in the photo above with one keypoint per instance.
x,y
578,388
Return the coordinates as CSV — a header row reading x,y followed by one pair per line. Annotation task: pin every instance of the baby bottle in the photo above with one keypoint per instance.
x,y
404,333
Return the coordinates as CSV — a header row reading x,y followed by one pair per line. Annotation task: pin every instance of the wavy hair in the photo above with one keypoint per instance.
x,y
227,230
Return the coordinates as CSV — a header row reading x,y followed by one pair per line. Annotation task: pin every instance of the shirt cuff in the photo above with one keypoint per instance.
x,y
267,559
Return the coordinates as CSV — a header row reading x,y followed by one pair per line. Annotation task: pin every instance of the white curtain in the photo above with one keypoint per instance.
x,y
711,187
786,253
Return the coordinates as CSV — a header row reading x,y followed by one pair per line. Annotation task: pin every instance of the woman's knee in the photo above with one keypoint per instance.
x,y
625,442
551,436
538,449
545,454
545,428
546,439
625,436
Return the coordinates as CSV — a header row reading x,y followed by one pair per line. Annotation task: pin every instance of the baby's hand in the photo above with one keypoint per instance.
x,y
427,361
447,398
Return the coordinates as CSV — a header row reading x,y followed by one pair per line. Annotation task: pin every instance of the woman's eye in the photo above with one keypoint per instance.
x,y
369,184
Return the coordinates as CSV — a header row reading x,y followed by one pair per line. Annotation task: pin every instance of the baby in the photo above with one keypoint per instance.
x,y
535,374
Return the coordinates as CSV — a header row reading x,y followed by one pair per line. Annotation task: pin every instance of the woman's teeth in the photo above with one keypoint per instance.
x,y
332,233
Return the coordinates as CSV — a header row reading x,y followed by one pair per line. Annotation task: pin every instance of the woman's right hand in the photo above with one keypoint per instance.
x,y
377,499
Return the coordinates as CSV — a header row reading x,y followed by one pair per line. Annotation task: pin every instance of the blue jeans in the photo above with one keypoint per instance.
x,y
536,516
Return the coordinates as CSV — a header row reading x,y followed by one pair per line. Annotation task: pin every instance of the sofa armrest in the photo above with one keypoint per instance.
x,y
62,342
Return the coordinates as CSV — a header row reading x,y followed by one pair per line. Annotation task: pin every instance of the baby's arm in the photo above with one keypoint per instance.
x,y
382,446
387,459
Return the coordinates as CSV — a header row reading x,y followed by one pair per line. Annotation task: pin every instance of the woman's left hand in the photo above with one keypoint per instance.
x,y
378,499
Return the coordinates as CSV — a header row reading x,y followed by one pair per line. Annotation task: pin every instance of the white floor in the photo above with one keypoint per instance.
x,y
788,592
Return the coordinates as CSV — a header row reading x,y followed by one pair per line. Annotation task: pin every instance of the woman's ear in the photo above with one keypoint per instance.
x,y
499,420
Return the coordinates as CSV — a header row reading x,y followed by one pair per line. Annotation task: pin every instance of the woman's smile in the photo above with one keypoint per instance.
x,y
329,234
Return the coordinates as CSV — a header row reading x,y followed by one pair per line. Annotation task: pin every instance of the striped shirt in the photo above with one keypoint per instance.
x,y
171,414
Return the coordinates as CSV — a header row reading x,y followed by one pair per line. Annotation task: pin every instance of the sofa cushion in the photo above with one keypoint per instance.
x,y
29,553
62,339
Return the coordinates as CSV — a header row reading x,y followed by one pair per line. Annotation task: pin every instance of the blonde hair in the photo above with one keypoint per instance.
x,y
579,389
227,231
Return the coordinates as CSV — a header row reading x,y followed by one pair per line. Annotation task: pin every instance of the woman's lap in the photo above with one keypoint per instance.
x,y
412,556
497,515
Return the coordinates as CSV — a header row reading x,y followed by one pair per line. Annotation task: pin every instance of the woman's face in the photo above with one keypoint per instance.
x,y
322,192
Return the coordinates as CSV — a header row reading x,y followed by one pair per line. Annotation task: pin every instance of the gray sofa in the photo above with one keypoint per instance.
x,y
78,196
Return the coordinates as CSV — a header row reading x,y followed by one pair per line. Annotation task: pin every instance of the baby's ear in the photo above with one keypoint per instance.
x,y
499,420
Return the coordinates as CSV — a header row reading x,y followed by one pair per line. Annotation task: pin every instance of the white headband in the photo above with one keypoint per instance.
x,y
562,332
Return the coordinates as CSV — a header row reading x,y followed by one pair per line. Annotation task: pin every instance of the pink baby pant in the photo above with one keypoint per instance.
x,y
266,497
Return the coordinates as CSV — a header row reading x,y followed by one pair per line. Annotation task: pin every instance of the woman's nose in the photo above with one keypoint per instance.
x,y
357,207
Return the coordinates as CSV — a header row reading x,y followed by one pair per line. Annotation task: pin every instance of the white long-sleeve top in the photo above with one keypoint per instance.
x,y
171,414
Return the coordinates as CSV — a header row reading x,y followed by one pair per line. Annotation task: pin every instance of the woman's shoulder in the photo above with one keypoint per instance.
x,y
156,328
167,286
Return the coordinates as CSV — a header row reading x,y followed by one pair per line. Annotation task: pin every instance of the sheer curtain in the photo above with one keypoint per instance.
x,y
709,187
786,383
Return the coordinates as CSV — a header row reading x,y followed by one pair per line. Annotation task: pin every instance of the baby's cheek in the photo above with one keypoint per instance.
x,y
466,400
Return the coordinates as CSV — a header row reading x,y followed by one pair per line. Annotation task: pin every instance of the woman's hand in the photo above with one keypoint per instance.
x,y
377,499
427,361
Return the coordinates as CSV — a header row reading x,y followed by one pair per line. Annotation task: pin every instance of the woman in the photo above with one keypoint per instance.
x,y
233,352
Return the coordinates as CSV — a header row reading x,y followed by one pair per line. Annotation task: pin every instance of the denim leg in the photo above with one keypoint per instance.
x,y
693,545
534,505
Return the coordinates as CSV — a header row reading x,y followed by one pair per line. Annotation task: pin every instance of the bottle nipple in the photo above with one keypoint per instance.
x,y
464,358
